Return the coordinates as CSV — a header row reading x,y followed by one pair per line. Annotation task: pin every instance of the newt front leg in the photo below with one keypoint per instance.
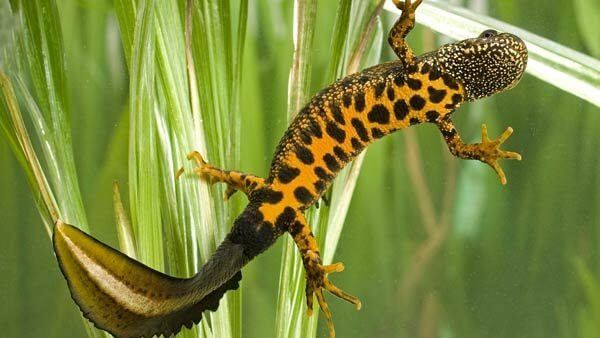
x,y
488,151
235,180
403,26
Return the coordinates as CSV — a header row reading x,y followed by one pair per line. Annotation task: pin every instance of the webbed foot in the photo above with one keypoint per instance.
x,y
490,152
197,157
203,169
235,180
316,281
407,6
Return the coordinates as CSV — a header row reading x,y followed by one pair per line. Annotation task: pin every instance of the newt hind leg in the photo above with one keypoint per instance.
x,y
316,273
235,180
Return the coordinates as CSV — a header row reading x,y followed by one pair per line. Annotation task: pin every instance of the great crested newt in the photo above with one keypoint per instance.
x,y
129,299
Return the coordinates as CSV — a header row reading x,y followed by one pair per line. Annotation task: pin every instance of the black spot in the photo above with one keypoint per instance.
x,y
315,128
399,80
268,195
456,99
379,88
379,114
436,96
347,99
363,79
338,116
413,68
287,174
414,83
425,68
434,74
449,81
356,144
322,174
400,109
391,93
340,153
417,102
320,185
305,155
303,195
285,219
414,120
377,133
334,131
305,136
360,129
296,228
331,162
359,101
432,115
448,134
345,82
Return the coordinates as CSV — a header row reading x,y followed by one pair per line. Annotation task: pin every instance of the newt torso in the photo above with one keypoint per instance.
x,y
344,118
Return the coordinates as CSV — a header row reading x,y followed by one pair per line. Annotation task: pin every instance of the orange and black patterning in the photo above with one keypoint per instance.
x,y
131,300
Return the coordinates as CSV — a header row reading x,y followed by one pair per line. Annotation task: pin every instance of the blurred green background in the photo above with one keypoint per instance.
x,y
433,246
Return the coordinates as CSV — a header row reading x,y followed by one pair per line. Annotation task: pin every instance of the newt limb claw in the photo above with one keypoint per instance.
x,y
196,156
407,5
336,267
179,172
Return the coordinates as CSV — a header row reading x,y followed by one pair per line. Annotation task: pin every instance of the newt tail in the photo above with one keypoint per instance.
x,y
128,299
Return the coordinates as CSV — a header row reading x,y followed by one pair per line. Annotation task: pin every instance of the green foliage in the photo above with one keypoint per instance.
x,y
588,25
434,247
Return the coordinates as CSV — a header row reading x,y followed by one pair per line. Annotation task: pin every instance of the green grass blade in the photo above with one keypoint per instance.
x,y
125,11
337,65
42,50
12,123
144,175
124,228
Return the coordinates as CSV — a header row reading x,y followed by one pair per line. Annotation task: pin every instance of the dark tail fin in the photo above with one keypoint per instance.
x,y
128,299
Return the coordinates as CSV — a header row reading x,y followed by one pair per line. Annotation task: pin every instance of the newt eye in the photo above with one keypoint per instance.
x,y
488,33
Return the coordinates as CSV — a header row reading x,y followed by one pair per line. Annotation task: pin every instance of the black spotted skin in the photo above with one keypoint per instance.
x,y
329,132
347,117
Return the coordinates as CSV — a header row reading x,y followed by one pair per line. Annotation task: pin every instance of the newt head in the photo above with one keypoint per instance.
x,y
491,63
